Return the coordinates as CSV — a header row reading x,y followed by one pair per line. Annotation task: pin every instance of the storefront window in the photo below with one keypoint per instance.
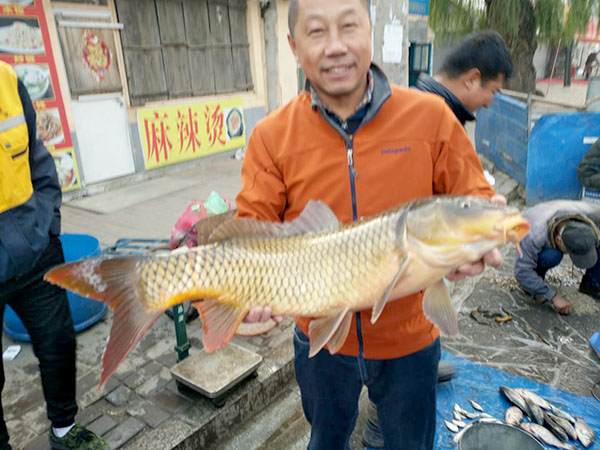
x,y
184,48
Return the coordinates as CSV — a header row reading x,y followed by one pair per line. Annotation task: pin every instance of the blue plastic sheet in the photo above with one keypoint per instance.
x,y
481,384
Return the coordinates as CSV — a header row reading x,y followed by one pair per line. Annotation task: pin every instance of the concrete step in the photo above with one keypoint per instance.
x,y
282,426
279,426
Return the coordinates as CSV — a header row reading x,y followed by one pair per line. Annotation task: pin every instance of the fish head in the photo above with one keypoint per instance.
x,y
450,230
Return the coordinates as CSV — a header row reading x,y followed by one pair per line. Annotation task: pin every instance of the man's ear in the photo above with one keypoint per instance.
x,y
292,45
471,78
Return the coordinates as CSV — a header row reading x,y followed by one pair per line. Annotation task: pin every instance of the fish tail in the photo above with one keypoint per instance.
x,y
111,281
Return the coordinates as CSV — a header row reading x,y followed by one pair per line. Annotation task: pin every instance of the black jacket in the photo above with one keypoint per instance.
x,y
428,84
588,170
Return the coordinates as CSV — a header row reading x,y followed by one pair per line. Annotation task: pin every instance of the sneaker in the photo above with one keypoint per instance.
x,y
585,287
79,438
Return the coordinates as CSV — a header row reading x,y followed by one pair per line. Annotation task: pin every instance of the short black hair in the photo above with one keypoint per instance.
x,y
484,50
293,13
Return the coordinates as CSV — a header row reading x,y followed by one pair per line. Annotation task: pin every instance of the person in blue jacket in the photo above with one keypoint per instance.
x,y
560,227
30,200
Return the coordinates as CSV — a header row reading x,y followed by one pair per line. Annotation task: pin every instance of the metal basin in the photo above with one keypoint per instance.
x,y
497,436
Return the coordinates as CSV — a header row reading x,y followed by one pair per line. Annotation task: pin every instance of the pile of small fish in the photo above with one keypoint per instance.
x,y
548,423
546,417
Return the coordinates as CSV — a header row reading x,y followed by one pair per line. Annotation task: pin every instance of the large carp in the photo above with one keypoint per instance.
x,y
312,266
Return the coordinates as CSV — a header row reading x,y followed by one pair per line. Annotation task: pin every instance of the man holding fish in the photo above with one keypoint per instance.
x,y
361,145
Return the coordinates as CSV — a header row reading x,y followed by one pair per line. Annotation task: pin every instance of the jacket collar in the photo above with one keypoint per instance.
x,y
428,84
379,90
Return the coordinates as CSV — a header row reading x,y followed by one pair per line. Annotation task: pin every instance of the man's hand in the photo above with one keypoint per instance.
x,y
491,258
562,305
261,314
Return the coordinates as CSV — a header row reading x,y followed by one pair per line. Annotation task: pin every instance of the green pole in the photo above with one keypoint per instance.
x,y
183,345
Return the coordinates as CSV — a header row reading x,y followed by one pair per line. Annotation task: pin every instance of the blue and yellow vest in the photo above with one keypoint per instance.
x,y
15,177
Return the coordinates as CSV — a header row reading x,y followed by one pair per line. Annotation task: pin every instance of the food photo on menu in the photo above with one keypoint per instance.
x,y
48,126
65,168
17,2
37,80
20,35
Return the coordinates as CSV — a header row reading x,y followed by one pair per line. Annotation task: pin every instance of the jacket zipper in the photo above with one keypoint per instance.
x,y
353,176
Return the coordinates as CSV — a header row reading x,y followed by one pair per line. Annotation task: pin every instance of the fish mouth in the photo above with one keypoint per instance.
x,y
513,227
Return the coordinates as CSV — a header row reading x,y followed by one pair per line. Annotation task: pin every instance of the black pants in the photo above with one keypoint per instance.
x,y
44,310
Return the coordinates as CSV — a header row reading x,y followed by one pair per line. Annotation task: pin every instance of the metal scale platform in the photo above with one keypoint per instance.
x,y
214,374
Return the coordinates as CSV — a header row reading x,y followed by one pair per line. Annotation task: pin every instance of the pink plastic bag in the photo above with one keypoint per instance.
x,y
184,232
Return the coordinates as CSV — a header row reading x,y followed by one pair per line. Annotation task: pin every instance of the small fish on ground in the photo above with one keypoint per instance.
x,y
451,426
458,416
565,425
545,435
476,406
515,398
560,413
553,426
289,266
534,398
536,414
584,432
459,423
513,416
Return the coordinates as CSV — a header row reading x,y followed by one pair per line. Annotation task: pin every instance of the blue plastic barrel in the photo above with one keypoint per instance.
x,y
84,311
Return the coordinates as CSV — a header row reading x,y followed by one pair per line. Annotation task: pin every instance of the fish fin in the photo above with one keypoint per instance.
x,y
112,281
338,338
378,307
315,217
206,227
438,308
321,331
219,322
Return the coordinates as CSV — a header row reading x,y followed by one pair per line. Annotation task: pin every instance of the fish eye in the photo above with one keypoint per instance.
x,y
465,204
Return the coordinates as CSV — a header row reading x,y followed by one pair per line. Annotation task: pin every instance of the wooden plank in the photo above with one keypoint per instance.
x,y
175,55
120,58
171,21
201,65
82,79
141,23
149,83
240,53
177,69
218,16
197,28
142,50
220,33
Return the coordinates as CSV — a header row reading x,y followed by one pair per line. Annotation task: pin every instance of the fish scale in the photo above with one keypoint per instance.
x,y
287,273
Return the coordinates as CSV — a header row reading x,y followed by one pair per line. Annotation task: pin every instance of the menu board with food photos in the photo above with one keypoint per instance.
x,y
25,44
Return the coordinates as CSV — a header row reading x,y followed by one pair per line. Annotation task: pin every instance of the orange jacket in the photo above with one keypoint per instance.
x,y
412,146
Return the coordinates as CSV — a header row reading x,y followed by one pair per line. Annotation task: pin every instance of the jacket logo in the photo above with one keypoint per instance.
x,y
394,151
